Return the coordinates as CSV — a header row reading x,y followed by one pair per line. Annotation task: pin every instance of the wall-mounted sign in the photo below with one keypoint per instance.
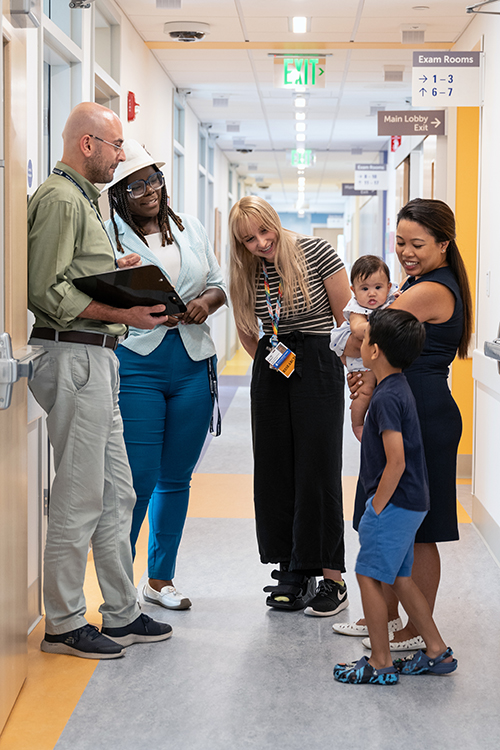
x,y
411,122
450,79
302,157
370,177
349,189
290,72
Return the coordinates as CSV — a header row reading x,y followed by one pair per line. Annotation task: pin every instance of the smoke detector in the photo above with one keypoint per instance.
x,y
186,31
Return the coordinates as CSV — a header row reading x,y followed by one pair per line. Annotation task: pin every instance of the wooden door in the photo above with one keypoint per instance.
x,y
13,421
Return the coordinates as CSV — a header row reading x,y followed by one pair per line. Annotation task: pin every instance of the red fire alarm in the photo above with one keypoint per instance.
x,y
395,142
133,107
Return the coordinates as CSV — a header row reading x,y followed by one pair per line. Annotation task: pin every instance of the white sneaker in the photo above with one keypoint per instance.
x,y
168,597
412,644
352,628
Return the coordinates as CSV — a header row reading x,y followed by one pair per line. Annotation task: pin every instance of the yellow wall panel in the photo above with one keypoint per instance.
x,y
466,211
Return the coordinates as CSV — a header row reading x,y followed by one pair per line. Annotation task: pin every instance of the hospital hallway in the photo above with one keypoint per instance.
x,y
238,675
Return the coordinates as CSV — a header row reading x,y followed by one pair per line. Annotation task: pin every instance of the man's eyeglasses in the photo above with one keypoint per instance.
x,y
138,188
118,148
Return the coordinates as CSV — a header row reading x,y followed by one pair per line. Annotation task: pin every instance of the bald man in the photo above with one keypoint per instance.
x,y
76,382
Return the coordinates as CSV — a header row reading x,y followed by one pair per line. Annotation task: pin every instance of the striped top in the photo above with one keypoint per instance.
x,y
322,262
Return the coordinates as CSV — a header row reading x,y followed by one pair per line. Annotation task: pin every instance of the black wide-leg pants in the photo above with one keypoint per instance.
x,y
297,426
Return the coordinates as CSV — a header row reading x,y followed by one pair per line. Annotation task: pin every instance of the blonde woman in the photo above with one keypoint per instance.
x,y
296,286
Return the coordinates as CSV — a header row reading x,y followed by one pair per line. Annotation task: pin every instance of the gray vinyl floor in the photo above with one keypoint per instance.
x,y
237,675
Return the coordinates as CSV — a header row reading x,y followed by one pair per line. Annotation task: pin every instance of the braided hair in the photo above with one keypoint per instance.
x,y
118,203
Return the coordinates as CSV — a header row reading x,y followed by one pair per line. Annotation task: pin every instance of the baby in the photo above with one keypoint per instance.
x,y
372,288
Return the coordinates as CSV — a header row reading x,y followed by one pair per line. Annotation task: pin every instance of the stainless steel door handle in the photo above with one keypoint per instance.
x,y
12,368
492,350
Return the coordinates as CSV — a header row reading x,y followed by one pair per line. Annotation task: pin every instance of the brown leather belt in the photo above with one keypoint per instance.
x,y
76,337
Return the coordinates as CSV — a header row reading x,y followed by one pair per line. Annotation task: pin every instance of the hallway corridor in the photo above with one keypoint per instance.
x,y
238,675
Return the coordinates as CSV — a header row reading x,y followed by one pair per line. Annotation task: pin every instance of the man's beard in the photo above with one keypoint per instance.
x,y
99,171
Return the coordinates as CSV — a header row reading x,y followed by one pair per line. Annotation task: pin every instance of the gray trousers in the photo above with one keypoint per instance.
x,y
92,496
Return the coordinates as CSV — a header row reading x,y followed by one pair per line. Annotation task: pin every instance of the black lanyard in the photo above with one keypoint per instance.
x,y
82,191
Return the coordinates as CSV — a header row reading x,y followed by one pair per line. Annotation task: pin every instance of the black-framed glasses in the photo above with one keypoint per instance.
x,y
118,148
138,188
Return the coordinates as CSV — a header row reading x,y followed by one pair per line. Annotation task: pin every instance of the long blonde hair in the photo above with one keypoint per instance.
x,y
245,268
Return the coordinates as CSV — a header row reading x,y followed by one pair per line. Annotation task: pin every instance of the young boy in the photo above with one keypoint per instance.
x,y
394,475
372,290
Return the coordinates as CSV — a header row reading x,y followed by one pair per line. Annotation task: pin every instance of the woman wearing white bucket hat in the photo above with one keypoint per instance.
x,y
167,375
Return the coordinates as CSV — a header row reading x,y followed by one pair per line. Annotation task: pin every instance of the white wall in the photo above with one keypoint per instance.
x,y
486,511
141,73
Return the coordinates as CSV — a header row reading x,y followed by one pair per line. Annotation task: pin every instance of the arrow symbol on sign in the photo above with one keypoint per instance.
x,y
422,91
436,122
423,79
321,71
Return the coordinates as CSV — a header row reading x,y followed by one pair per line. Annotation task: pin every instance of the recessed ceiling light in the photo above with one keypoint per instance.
x,y
301,181
301,212
300,127
421,7
300,101
300,137
299,24
300,171
300,115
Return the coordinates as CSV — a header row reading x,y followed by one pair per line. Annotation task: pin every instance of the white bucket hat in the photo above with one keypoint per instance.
x,y
137,158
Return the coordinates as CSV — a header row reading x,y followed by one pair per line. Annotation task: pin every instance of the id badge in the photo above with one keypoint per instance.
x,y
281,358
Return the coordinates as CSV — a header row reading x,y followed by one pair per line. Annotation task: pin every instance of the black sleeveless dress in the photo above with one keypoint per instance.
x,y
439,416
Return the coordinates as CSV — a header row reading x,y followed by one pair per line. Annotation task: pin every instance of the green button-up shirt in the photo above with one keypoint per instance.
x,y
66,239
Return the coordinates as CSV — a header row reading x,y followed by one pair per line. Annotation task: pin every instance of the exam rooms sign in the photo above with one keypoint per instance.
x,y
446,79
411,122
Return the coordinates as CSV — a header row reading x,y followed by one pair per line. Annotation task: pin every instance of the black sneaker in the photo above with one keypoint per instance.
x,y
86,642
142,630
330,598
294,590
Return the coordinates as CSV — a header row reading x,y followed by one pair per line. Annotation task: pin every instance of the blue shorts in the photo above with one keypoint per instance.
x,y
387,542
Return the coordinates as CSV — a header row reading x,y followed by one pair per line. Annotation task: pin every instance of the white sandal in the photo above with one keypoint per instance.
x,y
412,644
361,631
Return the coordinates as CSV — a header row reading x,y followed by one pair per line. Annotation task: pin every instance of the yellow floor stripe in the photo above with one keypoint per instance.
x,y
55,684
239,364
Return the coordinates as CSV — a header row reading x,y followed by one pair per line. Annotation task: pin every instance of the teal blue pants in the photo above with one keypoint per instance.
x,y
166,407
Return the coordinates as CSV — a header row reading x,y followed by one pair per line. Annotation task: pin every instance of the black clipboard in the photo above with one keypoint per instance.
x,y
128,287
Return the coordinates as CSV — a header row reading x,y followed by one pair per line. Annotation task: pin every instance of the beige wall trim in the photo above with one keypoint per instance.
x,y
308,46
464,466
487,528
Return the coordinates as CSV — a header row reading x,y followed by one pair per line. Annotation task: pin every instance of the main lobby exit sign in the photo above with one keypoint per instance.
x,y
290,72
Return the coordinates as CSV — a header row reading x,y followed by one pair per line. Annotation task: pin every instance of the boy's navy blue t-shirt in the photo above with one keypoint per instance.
x,y
393,407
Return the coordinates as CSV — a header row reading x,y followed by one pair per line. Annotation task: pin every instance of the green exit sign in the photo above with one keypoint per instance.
x,y
290,72
302,157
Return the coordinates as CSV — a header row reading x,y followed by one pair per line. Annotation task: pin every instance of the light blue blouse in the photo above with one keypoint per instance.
x,y
199,271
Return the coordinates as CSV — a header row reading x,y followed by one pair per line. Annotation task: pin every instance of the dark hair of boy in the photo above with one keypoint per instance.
x,y
366,265
398,334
